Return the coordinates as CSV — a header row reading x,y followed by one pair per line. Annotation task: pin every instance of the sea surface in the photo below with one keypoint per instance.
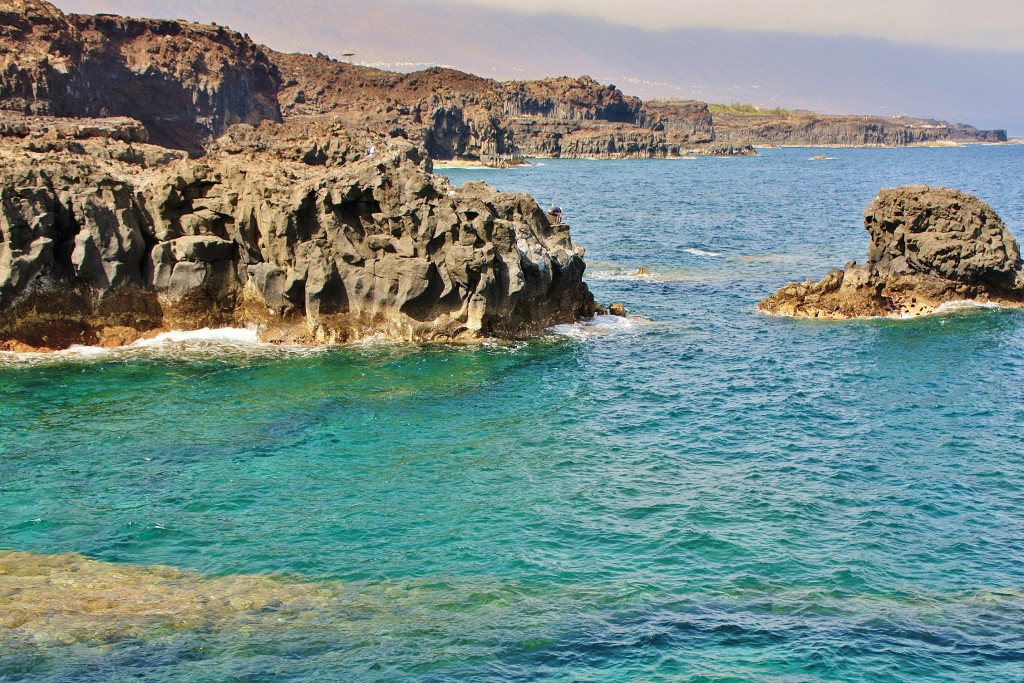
x,y
696,493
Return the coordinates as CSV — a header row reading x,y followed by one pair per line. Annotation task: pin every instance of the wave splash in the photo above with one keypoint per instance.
x,y
601,326
695,251
190,344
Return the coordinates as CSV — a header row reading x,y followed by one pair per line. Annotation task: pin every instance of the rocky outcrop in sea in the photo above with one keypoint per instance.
x,y
929,246
149,182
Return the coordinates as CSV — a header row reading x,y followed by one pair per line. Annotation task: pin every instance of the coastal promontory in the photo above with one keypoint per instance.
x,y
311,240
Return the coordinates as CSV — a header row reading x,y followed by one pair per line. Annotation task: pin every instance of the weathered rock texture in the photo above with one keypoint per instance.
x,y
188,83
929,246
185,82
99,246
805,128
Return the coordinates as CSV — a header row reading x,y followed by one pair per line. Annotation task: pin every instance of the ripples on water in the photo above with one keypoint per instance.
x,y
696,493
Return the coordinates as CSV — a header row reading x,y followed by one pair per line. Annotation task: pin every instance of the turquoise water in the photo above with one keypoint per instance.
x,y
701,493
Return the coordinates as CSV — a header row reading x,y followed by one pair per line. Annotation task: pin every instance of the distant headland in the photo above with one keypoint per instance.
x,y
105,65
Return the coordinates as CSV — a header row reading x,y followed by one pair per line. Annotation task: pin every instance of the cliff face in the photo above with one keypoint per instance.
x,y
450,113
574,118
460,116
810,129
185,82
324,227
573,99
685,121
99,245
651,130
929,246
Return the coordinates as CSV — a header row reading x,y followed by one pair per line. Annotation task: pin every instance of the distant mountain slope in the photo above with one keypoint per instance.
x,y
831,75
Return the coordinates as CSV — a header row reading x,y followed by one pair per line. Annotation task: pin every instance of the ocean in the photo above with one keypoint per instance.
x,y
698,492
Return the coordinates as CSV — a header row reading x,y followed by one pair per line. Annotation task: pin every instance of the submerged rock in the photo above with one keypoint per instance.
x,y
617,309
96,242
929,246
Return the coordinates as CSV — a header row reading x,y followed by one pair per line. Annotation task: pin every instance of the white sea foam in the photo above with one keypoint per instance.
x,y
72,352
179,344
229,335
80,351
952,308
621,275
701,252
965,305
601,326
948,308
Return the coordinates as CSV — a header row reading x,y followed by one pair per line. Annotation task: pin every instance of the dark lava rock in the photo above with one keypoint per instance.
x,y
929,246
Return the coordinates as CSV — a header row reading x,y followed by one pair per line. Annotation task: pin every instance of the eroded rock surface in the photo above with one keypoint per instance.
x,y
929,246
101,240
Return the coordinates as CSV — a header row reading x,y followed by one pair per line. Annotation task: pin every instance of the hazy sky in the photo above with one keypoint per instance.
x,y
982,24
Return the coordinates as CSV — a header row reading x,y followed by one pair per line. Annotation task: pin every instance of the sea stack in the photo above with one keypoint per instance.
x,y
929,246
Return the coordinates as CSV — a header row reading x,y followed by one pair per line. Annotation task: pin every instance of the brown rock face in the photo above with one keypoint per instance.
x,y
185,82
91,247
452,114
941,232
460,116
820,130
929,246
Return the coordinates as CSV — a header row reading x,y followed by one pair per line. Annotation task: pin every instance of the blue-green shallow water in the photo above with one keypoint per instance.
x,y
714,495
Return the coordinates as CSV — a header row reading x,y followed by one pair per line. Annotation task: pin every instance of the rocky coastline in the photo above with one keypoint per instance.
x,y
104,241
809,129
461,117
164,174
150,182
929,247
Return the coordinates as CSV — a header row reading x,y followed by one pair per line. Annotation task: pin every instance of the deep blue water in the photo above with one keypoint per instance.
x,y
702,493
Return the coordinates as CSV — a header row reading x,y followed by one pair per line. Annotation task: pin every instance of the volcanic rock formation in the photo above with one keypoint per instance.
x,y
185,82
806,128
929,246
313,241
460,116
314,229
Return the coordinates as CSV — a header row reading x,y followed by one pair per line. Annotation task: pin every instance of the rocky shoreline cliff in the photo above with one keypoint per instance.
x,y
103,240
149,181
458,116
162,173
188,83
809,129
